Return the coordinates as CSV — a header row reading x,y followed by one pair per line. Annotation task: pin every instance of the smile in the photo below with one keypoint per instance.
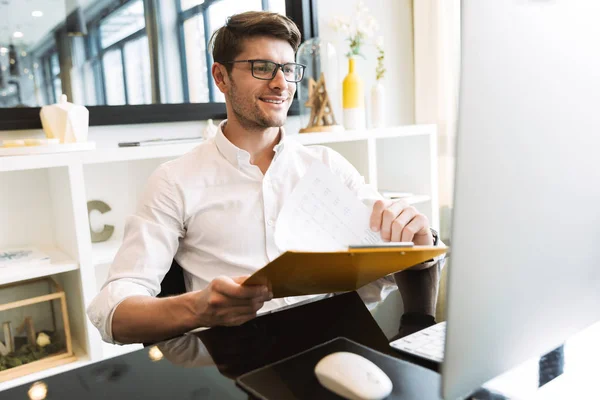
x,y
273,101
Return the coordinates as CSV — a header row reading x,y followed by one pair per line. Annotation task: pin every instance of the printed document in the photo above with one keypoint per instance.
x,y
322,214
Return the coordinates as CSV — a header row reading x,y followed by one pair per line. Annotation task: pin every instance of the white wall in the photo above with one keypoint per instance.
x,y
395,21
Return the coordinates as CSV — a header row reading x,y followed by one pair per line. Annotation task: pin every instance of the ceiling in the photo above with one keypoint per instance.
x,y
15,15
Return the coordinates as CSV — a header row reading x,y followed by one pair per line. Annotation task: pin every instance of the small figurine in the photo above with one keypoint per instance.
x,y
66,121
43,340
321,115
27,327
9,340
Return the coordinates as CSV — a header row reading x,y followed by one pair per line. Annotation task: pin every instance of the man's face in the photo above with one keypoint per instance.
x,y
256,103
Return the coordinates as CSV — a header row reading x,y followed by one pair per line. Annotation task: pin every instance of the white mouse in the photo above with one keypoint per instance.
x,y
353,377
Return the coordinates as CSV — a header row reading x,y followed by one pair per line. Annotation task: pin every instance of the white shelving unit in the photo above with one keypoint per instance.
x,y
44,197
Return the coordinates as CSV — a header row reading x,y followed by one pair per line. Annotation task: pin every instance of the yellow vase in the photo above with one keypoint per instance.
x,y
353,100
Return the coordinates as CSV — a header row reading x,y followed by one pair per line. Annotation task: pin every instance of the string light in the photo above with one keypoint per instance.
x,y
38,391
155,354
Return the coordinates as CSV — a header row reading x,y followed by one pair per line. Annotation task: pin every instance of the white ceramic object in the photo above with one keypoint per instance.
x,y
65,121
354,118
377,105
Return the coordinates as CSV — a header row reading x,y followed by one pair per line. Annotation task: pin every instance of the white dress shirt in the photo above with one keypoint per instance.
x,y
215,213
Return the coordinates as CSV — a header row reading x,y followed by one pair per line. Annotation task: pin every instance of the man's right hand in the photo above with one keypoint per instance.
x,y
225,302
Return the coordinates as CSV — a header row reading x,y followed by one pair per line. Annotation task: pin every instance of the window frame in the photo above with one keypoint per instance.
x,y
202,10
45,63
97,52
302,12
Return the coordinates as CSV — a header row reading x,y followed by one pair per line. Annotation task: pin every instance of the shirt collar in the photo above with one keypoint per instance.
x,y
231,152
278,149
234,154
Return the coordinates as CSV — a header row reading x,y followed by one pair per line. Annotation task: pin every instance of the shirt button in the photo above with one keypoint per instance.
x,y
270,222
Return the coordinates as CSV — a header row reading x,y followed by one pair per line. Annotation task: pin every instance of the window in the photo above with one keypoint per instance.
x,y
103,38
198,20
120,57
55,76
112,63
187,4
137,68
49,75
122,23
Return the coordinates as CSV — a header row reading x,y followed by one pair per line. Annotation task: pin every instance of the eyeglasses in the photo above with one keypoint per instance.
x,y
266,70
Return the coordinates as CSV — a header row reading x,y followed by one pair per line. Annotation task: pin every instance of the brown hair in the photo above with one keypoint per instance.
x,y
226,42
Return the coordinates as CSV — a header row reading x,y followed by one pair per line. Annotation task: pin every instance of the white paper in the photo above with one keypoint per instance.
x,y
322,214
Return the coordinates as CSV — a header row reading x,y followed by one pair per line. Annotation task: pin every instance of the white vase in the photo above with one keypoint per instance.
x,y
377,105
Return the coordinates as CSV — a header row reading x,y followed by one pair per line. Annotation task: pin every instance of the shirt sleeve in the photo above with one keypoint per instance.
x,y
150,242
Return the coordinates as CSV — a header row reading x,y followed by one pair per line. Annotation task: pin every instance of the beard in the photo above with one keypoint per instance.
x,y
250,115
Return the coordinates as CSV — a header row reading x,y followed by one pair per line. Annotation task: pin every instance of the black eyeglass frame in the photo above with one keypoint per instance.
x,y
279,66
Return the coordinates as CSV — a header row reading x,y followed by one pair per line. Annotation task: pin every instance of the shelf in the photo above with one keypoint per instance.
x,y
114,153
60,262
105,252
100,155
111,154
352,136
19,163
82,360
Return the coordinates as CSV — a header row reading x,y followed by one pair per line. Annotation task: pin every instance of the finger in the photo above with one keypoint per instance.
x,y
401,221
262,281
376,215
240,279
389,215
230,288
417,225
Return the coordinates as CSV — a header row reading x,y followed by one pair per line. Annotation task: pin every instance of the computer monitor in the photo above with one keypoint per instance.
x,y
525,245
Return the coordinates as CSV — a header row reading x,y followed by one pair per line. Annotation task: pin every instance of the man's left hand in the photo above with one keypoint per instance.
x,y
399,222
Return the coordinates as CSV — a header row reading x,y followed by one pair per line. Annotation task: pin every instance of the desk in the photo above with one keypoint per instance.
x,y
204,365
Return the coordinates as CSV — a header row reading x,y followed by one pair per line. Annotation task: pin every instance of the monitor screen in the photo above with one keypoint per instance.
x,y
524,272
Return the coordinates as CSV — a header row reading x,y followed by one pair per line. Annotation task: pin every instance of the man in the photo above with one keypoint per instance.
x,y
214,209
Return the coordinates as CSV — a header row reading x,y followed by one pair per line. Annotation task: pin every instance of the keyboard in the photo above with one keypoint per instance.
x,y
427,343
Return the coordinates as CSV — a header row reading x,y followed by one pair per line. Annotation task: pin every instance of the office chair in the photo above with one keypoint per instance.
x,y
173,283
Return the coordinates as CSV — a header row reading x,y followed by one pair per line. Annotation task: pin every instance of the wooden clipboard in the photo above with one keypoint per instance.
x,y
297,273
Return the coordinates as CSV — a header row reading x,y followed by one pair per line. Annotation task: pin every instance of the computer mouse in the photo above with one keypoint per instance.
x,y
353,377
